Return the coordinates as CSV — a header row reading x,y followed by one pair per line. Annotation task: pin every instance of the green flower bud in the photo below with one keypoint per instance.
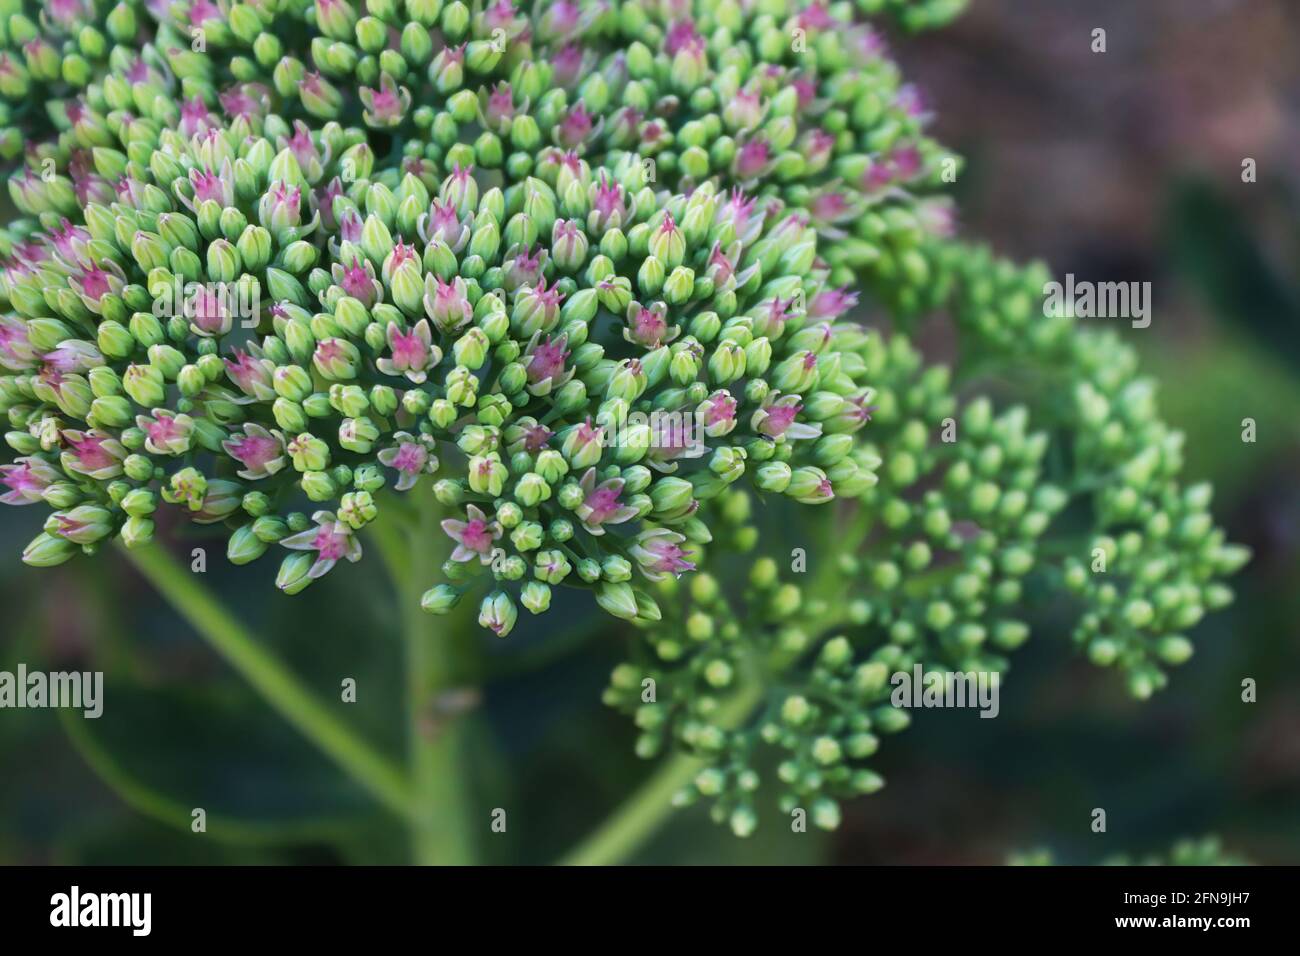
x,y
293,576
309,453
440,599
497,613
136,531
244,546
617,598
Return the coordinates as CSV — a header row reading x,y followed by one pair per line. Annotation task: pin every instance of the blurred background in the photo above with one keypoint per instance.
x,y
1117,166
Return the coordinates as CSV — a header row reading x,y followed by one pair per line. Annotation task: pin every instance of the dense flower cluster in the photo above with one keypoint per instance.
x,y
584,272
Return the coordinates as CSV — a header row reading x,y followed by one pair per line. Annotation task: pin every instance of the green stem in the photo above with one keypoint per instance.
x,y
441,830
649,807
278,686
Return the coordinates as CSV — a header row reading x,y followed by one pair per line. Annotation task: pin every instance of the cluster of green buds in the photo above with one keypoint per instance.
x,y
1199,851
49,54
1152,563
791,100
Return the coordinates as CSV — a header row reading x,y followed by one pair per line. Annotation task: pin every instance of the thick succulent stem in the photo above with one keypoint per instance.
x,y
437,736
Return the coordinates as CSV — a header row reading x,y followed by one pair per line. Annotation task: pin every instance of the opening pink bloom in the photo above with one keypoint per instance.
x,y
69,241
166,433
208,310
475,537
805,89
252,375
26,479
815,17
718,414
576,127
560,19
280,207
331,539
739,211
659,553
647,327
302,146
601,504
671,439
412,352
525,268
607,203
201,10
566,64
546,360
324,202
212,186
752,159
500,105
195,116
536,438
95,283
246,99
411,459
66,13
16,353
905,162
500,15
387,105
93,454
680,36
832,303
447,303
261,452
358,281
777,419
745,109
350,226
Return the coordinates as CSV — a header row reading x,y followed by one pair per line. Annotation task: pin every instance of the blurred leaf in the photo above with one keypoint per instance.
x,y
169,750
1213,245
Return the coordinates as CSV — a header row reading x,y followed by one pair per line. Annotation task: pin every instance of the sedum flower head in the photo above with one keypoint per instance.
x,y
589,274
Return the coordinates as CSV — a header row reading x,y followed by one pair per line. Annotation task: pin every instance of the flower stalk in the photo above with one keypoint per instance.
x,y
277,685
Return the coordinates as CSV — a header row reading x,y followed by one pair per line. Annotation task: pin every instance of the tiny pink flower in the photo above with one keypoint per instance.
x,y
475,537
26,479
447,303
544,360
659,553
777,419
752,159
166,433
93,453
411,458
412,352
832,303
331,539
259,450
252,374
601,504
